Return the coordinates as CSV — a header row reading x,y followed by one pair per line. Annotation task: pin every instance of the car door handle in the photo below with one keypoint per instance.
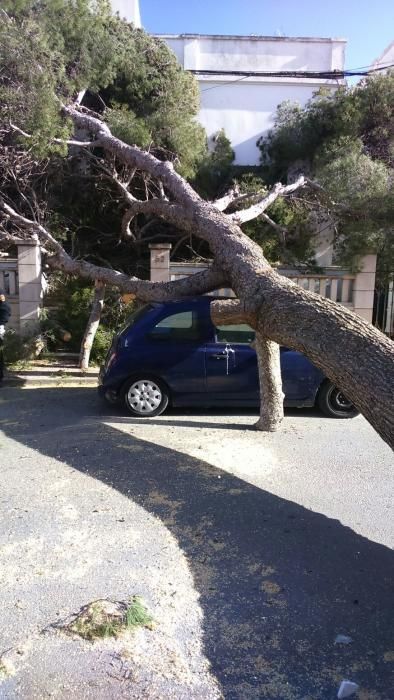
x,y
219,356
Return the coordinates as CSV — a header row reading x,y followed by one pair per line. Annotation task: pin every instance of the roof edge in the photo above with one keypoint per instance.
x,y
254,37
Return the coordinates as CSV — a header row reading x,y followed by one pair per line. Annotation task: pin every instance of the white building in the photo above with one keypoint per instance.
x,y
128,10
236,97
386,59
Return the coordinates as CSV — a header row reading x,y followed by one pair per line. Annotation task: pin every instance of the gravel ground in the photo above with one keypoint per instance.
x,y
252,552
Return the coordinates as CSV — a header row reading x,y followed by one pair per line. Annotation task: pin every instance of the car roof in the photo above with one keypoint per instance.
x,y
203,299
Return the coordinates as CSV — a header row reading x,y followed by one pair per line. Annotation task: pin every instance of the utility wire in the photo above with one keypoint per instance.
x,y
321,75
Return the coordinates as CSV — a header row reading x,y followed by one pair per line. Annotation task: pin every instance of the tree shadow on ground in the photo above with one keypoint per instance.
x,y
277,582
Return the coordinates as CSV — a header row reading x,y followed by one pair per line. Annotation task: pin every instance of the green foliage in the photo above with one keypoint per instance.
x,y
72,301
49,51
215,169
295,249
18,349
349,175
102,343
128,127
344,140
137,614
52,50
153,101
103,619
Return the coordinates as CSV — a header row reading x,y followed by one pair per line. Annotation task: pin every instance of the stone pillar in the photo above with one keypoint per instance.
x,y
160,262
30,287
364,288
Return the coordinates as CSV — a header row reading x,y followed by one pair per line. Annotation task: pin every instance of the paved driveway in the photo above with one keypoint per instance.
x,y
252,551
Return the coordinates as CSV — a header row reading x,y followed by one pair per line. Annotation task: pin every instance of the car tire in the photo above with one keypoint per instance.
x,y
333,403
145,397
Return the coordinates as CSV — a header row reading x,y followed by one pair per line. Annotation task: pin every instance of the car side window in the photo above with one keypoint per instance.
x,y
181,326
237,333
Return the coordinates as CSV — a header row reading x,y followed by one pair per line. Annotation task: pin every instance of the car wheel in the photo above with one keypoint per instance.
x,y
333,403
145,397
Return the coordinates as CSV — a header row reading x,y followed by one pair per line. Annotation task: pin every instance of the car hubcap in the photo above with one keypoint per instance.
x,y
144,396
339,402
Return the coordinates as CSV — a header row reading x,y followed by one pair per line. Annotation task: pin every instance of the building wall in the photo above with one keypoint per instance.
x,y
386,59
245,107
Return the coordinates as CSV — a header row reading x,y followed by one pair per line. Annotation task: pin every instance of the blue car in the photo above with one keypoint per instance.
x,y
172,354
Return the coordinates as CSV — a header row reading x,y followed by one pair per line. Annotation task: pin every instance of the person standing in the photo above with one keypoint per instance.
x,y
5,313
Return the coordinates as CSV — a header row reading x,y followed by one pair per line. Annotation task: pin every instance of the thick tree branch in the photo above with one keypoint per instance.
x,y
225,312
233,198
279,190
224,202
194,285
172,213
158,206
201,283
132,155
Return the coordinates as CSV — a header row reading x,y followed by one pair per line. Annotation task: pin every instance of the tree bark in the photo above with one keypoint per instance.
x,y
268,360
92,324
270,378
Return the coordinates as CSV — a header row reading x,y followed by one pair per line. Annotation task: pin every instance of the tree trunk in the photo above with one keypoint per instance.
x,y
354,355
268,361
271,394
92,324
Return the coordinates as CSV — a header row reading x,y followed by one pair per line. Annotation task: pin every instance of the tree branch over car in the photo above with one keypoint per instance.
x,y
353,355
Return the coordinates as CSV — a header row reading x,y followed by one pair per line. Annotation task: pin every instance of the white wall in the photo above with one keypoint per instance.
x,y
245,108
386,59
128,9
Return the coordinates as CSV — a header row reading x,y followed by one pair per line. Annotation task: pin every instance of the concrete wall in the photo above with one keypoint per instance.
x,y
245,108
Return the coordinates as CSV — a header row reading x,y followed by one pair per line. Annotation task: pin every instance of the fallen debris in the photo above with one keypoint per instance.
x,y
108,618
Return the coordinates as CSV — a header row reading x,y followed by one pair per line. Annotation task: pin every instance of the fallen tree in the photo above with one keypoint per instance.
x,y
354,355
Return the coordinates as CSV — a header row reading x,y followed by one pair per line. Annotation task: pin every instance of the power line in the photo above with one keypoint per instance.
x,y
317,75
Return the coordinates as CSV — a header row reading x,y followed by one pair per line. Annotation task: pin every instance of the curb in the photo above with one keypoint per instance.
x,y
70,380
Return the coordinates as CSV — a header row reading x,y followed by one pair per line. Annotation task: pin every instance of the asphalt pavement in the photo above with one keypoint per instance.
x,y
252,551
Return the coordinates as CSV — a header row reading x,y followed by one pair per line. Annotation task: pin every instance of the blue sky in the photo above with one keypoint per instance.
x,y
367,24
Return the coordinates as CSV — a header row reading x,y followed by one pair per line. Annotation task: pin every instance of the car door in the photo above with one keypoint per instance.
x,y
231,365
175,351
232,373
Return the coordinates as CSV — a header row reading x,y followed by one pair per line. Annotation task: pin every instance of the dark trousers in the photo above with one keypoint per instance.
x,y
1,359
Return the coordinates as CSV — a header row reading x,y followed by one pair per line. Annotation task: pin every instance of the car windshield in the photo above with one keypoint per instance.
x,y
135,316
